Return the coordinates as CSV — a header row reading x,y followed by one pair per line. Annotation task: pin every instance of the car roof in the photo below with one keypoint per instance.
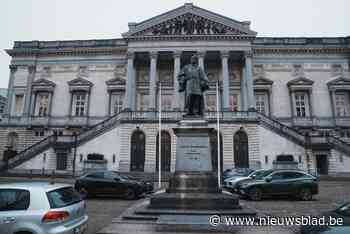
x,y
46,186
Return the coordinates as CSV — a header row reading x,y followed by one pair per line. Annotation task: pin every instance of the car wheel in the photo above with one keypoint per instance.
x,y
255,194
130,194
305,194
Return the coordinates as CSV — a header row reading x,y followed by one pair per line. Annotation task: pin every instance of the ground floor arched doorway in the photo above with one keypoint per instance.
x,y
138,140
241,153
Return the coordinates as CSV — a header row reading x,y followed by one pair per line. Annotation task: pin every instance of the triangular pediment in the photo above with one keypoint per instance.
x,y
79,82
116,81
300,81
262,81
43,82
189,20
339,81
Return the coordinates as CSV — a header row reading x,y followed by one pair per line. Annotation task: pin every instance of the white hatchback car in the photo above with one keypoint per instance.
x,y
41,208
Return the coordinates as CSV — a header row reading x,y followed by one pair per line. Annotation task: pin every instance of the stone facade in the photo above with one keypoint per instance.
x,y
58,88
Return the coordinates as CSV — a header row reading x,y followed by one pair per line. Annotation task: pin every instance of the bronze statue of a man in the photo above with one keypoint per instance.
x,y
194,82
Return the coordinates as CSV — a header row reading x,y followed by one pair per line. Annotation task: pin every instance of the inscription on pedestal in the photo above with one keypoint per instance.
x,y
193,154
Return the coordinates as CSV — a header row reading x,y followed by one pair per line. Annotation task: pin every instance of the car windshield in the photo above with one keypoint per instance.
x,y
63,197
344,210
260,174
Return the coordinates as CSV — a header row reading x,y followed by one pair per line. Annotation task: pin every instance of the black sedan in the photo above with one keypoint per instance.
x,y
110,183
280,183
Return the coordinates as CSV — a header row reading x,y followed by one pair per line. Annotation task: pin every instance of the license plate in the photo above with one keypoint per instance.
x,y
81,229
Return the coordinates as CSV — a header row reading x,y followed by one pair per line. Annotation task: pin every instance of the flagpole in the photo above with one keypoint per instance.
x,y
160,136
218,133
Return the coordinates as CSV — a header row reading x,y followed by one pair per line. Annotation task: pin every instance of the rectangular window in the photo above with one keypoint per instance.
x,y
42,104
167,100
301,105
211,102
233,102
341,104
79,104
19,104
261,103
116,103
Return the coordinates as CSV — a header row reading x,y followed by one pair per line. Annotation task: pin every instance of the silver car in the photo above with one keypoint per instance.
x,y
41,208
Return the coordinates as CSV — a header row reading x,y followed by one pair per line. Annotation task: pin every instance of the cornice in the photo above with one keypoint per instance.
x,y
338,50
66,52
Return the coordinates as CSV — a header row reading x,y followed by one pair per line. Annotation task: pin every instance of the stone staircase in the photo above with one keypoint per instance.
x,y
301,139
112,122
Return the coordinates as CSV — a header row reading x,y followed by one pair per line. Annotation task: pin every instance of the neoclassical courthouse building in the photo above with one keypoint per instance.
x,y
94,103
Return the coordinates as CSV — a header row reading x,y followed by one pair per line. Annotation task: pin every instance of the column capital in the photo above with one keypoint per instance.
x,y
248,54
177,53
13,68
224,54
130,55
31,68
153,54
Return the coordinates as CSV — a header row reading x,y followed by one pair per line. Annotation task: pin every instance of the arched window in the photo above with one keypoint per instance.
x,y
214,151
12,141
137,151
241,154
166,152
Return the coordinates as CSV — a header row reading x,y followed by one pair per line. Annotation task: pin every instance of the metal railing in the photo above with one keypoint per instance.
x,y
292,133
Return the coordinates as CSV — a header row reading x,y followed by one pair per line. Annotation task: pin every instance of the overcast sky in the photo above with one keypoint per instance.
x,y
100,19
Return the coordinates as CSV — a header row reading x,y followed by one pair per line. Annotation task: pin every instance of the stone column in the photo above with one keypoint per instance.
x,y
225,80
13,69
332,92
130,83
177,67
243,91
201,55
153,80
249,80
28,95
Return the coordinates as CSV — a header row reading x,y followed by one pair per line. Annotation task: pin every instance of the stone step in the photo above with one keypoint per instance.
x,y
197,201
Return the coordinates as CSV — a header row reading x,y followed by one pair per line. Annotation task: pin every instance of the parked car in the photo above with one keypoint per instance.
x,y
41,208
280,182
231,183
342,212
111,183
236,172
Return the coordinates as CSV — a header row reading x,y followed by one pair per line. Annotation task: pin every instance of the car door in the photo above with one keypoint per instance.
x,y
294,179
278,184
94,183
115,184
13,206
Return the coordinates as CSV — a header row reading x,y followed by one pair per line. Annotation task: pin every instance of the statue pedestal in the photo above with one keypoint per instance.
x,y
193,195
193,185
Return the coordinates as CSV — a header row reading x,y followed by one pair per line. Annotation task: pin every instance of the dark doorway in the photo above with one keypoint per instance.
x,y
214,151
61,161
166,152
241,154
137,151
322,164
